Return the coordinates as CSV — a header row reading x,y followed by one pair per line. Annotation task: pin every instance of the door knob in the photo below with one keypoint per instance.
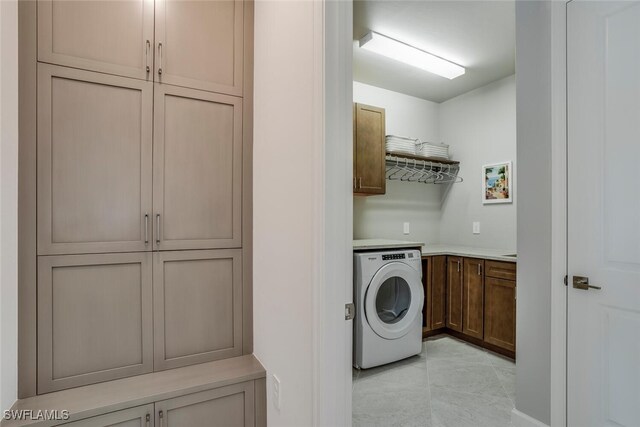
x,y
580,282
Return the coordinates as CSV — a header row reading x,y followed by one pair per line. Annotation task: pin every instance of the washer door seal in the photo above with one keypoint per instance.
x,y
394,322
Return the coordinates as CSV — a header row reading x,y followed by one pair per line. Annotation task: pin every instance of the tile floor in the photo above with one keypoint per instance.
x,y
450,384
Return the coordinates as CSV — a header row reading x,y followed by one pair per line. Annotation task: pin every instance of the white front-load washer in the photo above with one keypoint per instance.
x,y
388,295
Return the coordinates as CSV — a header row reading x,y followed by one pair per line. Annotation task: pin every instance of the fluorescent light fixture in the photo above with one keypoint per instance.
x,y
403,52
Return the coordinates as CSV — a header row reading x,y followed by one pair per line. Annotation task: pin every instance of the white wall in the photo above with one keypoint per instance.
x,y
419,204
480,127
8,202
287,200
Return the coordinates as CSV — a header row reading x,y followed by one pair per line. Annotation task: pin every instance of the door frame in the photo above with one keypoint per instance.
x,y
559,214
332,342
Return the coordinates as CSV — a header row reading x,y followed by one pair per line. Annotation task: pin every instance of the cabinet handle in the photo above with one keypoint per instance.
x,y
479,269
458,266
161,416
160,58
146,229
360,182
146,55
158,229
148,420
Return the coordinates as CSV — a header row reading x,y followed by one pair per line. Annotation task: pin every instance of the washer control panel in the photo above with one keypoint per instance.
x,y
387,257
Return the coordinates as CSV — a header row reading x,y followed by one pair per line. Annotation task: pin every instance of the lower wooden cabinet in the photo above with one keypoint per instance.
x,y
454,293
237,405
95,319
197,298
500,312
434,280
140,416
231,406
473,297
102,317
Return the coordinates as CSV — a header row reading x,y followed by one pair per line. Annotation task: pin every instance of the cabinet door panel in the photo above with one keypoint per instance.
x,y
454,293
197,169
438,291
473,299
94,318
106,36
200,44
369,150
230,406
198,307
426,285
140,416
500,313
94,162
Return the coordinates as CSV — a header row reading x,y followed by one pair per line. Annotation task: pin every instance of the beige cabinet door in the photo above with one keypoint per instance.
x,y
197,298
197,169
94,318
140,416
114,37
94,162
230,406
199,44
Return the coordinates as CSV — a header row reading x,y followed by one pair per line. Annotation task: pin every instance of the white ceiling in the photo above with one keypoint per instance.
x,y
479,35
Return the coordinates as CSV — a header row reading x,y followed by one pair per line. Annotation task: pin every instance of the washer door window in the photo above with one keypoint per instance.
x,y
394,298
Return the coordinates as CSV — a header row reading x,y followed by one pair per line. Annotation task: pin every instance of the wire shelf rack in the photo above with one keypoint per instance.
x,y
424,170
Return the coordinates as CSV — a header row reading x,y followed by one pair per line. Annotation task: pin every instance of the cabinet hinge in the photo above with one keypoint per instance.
x,y
349,311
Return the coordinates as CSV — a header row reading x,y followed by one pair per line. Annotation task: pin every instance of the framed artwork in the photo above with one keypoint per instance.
x,y
496,183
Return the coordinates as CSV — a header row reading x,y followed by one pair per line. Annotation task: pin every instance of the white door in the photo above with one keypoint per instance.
x,y
603,48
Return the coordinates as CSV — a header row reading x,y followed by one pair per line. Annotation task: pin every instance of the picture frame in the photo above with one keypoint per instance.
x,y
497,183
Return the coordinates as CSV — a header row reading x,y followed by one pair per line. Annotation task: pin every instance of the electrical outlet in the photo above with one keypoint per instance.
x,y
476,228
405,228
276,392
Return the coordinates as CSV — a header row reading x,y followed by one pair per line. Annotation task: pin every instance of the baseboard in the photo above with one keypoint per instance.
x,y
519,419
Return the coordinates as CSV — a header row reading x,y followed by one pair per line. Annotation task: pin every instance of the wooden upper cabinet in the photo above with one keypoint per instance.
x,y
230,406
94,162
199,44
454,293
197,307
95,318
114,37
197,169
369,150
473,300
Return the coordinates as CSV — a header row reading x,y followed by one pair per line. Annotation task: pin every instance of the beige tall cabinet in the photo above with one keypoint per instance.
x,y
141,191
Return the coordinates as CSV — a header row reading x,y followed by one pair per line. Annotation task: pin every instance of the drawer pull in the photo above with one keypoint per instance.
x,y
161,417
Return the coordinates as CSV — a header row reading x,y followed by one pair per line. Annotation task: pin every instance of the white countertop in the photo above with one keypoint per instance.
x,y
436,249
367,244
467,251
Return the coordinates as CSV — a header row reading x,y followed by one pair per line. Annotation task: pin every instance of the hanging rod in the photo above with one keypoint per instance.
x,y
425,170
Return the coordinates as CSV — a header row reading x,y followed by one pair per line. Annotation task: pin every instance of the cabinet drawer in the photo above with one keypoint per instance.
x,y
141,416
231,406
500,270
